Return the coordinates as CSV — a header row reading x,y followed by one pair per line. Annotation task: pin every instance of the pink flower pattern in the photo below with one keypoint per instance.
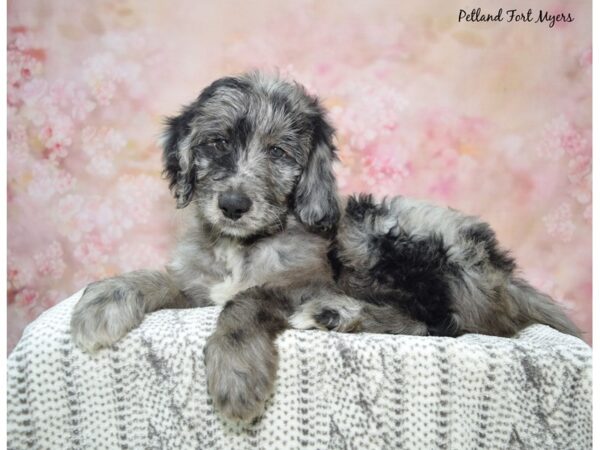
x,y
50,261
474,117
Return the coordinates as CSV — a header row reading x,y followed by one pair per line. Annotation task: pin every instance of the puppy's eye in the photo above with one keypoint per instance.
x,y
218,143
276,152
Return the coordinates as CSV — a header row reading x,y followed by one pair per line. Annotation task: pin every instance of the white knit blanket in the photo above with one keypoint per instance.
x,y
333,390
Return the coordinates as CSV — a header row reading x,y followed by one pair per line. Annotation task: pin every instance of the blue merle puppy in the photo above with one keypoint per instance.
x,y
250,162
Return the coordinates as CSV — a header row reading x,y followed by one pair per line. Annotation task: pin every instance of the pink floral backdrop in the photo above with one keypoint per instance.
x,y
490,118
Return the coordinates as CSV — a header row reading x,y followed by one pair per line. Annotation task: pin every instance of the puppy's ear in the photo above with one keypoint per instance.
x,y
177,159
316,199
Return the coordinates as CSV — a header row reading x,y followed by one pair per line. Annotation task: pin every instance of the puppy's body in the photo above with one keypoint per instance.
x,y
436,267
252,157
211,269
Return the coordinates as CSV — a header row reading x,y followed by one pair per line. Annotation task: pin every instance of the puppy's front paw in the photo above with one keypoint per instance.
x,y
335,314
106,312
240,373
321,319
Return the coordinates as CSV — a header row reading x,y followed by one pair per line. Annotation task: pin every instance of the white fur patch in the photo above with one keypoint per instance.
x,y
222,292
302,320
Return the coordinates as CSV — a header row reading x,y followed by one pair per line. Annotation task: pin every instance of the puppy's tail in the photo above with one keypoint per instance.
x,y
536,307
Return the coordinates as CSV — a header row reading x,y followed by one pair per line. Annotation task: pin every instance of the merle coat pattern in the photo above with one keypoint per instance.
x,y
250,161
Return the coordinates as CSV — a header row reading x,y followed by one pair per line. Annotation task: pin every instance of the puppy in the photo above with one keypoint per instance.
x,y
251,161
269,239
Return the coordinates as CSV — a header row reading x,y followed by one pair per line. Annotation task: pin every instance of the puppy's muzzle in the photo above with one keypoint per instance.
x,y
234,204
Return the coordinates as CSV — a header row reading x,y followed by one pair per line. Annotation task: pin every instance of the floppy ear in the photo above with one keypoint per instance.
x,y
316,199
177,160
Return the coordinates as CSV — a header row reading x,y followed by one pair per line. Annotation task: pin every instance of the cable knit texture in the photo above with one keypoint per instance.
x,y
333,390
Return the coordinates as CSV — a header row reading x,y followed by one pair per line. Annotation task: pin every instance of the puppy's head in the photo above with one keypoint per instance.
x,y
248,151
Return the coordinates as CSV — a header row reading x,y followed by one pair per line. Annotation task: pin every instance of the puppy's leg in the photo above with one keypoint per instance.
x,y
241,356
110,308
336,312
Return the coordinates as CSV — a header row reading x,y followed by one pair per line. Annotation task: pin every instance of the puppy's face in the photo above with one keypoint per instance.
x,y
250,150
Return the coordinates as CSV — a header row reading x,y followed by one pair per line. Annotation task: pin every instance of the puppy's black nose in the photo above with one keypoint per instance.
x,y
234,204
